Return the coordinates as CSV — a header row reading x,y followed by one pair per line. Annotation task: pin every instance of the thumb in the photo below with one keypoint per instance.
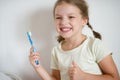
x,y
74,63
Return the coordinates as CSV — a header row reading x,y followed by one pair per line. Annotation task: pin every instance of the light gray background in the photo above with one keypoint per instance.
x,y
19,16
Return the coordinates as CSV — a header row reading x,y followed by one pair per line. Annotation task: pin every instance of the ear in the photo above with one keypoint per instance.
x,y
84,21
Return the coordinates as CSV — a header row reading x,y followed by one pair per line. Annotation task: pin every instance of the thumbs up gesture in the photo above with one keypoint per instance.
x,y
75,72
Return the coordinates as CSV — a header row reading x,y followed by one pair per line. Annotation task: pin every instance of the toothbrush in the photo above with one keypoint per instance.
x,y
32,44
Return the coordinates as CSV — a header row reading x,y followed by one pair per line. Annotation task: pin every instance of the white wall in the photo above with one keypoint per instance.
x,y
17,15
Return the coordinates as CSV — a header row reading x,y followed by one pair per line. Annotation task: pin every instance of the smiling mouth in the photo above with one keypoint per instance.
x,y
65,29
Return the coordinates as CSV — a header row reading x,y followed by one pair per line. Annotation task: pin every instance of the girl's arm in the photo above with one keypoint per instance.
x,y
39,68
45,76
56,74
107,66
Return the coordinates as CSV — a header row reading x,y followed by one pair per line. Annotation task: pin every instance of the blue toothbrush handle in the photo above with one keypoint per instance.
x,y
34,50
36,62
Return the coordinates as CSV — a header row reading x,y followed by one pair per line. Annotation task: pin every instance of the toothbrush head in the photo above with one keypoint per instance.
x,y
29,33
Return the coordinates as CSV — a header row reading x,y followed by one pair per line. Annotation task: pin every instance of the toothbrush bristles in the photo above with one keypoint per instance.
x,y
29,33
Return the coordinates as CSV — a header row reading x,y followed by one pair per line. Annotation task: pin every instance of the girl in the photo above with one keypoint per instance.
x,y
77,56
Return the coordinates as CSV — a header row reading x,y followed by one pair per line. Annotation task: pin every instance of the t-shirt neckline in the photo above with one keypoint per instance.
x,y
74,49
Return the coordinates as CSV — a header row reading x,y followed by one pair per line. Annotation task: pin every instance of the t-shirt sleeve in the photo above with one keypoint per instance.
x,y
100,50
54,60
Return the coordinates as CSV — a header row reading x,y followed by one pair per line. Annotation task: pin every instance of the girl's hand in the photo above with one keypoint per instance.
x,y
34,57
75,72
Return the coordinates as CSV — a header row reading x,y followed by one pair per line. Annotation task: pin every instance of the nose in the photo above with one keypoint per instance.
x,y
64,21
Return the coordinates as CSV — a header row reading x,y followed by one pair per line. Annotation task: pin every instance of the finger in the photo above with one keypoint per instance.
x,y
72,70
34,58
74,64
71,77
32,53
32,50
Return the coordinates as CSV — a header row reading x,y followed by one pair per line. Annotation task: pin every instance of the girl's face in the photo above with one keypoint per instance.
x,y
68,20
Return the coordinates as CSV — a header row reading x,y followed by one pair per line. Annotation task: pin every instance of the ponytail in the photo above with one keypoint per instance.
x,y
60,38
96,34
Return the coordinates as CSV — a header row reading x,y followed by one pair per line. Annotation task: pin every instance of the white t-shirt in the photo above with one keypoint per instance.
x,y
87,56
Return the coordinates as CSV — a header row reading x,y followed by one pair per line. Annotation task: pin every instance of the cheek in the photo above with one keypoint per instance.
x,y
57,26
77,22
56,22
78,25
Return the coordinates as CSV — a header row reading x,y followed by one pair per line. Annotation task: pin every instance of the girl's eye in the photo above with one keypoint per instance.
x,y
58,18
71,17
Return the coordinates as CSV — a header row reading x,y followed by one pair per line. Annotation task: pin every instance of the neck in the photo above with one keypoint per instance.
x,y
69,44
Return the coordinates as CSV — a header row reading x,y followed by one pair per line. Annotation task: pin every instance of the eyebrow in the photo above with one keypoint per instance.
x,y
68,14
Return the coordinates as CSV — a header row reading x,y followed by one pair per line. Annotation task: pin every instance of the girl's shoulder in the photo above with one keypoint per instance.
x,y
98,48
91,41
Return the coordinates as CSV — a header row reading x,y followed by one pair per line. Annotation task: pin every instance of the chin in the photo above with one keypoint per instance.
x,y
65,36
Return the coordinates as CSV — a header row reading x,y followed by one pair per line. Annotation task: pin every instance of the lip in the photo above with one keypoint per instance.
x,y
65,29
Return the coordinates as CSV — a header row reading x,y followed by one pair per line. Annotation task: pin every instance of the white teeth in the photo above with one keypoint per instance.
x,y
65,29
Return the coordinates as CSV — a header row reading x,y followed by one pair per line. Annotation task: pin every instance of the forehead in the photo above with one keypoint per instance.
x,y
65,8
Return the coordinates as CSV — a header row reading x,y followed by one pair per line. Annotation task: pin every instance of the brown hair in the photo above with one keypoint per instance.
x,y
82,5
